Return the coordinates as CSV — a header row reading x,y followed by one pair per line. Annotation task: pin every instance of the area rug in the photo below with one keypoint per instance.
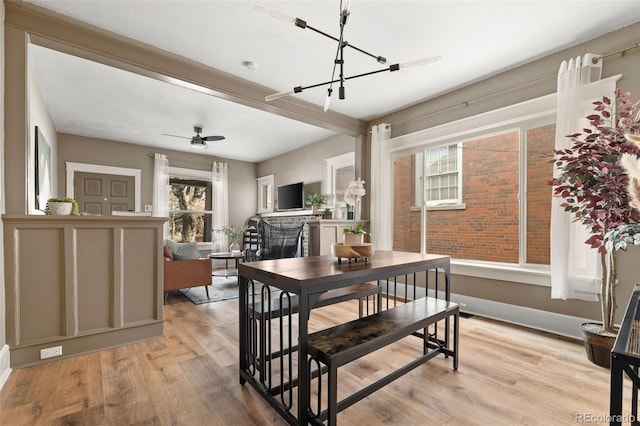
x,y
221,288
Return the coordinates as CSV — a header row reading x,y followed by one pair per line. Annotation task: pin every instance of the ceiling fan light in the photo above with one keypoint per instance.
x,y
198,145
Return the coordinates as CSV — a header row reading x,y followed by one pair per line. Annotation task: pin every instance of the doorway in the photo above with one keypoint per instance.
x,y
115,176
102,193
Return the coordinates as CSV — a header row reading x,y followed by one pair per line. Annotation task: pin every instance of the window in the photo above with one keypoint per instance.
x,y
488,228
488,201
190,211
442,175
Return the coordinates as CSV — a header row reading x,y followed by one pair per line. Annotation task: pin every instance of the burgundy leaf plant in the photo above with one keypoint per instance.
x,y
593,184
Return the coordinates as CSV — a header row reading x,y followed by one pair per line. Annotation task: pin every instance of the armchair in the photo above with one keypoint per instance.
x,y
183,270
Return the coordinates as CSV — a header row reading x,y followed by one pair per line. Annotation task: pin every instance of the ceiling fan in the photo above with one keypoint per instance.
x,y
198,141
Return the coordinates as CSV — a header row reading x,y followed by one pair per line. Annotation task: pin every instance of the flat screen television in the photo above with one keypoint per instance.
x,y
290,197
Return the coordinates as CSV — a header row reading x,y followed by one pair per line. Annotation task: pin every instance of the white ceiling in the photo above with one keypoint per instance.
x,y
475,39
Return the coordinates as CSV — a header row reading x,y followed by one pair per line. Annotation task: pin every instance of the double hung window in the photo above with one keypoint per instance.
x,y
190,209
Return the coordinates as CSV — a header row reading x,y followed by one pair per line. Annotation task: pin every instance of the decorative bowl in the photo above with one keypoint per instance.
x,y
357,251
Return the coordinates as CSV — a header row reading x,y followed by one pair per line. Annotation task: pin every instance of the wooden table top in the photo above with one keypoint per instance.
x,y
295,273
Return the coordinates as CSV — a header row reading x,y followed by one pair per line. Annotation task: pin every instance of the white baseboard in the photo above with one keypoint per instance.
x,y
5,369
563,325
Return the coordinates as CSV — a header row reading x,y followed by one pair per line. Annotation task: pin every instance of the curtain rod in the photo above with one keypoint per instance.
x,y
506,89
621,52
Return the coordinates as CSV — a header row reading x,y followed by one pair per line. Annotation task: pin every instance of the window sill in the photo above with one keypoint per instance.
x,y
526,274
460,206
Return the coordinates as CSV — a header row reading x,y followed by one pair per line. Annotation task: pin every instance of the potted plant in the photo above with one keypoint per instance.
x,y
62,207
593,185
354,236
234,236
315,200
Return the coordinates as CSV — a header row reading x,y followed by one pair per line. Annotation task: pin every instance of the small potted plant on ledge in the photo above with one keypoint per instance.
x,y
234,236
314,201
62,207
593,184
354,236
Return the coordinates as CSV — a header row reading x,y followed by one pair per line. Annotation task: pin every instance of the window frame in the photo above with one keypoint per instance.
x,y
529,114
333,164
451,203
266,191
200,175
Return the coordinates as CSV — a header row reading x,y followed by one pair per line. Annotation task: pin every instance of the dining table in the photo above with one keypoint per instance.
x,y
307,278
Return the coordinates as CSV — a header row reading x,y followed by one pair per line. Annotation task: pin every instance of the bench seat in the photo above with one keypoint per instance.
x,y
341,344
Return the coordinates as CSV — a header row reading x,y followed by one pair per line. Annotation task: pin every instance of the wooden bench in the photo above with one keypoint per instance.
x,y
271,308
339,345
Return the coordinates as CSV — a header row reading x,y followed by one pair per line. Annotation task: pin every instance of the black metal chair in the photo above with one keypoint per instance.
x,y
250,241
278,243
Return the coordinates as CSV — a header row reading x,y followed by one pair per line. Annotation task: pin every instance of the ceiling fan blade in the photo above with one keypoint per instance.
x,y
212,138
176,136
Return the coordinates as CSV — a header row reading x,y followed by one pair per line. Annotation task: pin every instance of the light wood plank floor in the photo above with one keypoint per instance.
x,y
507,375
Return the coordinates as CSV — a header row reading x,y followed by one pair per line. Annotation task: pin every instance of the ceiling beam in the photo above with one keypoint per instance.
x,y
64,34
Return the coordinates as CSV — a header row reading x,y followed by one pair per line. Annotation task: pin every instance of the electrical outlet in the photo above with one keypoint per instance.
x,y
50,352
148,208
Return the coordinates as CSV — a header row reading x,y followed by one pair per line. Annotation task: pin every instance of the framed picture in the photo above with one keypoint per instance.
x,y
43,170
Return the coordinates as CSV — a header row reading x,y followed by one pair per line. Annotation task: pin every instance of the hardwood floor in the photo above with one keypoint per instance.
x,y
507,375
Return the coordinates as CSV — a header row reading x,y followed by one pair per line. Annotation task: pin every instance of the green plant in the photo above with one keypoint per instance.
x,y
593,184
356,230
315,199
233,234
74,205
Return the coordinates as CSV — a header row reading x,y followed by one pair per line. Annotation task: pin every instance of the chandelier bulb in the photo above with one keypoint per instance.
x,y
327,100
346,5
278,95
419,62
274,14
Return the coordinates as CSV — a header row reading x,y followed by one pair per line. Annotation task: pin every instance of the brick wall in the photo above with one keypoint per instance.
x,y
487,229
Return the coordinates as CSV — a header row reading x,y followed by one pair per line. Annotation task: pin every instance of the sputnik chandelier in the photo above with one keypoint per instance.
x,y
338,62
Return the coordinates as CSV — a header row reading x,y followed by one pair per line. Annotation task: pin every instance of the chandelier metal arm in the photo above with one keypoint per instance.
x,y
339,58
298,89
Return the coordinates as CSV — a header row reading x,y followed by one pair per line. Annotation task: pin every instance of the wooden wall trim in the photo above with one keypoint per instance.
x,y
65,34
67,278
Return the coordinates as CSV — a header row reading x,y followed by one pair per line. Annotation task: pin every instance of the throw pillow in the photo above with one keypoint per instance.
x,y
186,251
172,245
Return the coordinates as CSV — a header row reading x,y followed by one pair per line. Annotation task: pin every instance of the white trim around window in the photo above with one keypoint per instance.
x,y
533,112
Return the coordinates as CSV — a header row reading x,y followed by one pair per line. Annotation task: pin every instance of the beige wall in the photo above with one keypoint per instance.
x,y
39,116
506,89
80,149
307,164
4,348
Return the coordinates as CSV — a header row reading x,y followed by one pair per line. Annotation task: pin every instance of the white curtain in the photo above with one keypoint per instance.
x,y
575,267
220,206
160,183
381,182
